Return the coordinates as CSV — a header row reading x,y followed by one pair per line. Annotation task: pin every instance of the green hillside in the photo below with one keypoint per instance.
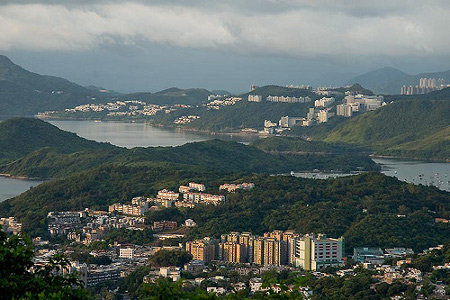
x,y
293,144
21,136
171,96
34,148
26,93
409,128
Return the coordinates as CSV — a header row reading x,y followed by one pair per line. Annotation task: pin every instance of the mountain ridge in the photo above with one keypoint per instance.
x,y
389,80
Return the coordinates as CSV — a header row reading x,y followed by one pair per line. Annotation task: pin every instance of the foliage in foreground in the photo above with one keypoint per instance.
x,y
21,279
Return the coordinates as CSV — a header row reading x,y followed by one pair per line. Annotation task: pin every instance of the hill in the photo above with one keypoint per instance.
x,y
27,93
282,144
389,80
409,128
171,96
355,88
34,148
354,204
276,90
21,136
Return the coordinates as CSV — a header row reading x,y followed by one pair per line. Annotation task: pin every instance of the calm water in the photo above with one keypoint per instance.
x,y
138,134
12,187
426,173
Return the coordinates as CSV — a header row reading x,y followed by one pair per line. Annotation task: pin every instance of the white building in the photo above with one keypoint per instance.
x,y
127,252
254,98
167,195
288,122
324,102
197,186
170,272
316,252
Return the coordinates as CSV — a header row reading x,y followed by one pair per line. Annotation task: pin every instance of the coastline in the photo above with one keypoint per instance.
x,y
5,175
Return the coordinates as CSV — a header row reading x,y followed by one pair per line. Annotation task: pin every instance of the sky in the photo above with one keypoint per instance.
x,y
151,45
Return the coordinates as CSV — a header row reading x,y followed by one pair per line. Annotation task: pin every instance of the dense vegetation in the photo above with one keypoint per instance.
x,y
422,130
26,93
21,136
292,144
42,150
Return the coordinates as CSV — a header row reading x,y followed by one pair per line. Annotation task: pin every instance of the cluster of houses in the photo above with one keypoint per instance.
x,y
88,226
218,101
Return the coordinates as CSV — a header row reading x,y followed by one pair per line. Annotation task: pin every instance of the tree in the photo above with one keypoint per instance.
x,y
17,281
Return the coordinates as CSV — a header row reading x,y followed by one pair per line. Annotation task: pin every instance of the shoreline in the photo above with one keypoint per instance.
x,y
416,159
24,178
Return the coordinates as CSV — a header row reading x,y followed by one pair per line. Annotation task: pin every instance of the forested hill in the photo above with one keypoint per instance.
x,y
34,148
171,96
408,128
27,93
21,136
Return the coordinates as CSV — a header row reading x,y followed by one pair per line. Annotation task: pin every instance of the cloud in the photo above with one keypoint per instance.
x,y
302,28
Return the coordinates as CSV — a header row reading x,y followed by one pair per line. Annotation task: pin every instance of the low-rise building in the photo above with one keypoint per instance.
x,y
127,252
197,186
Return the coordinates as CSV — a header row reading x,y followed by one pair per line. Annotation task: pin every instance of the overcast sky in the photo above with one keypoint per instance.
x,y
227,44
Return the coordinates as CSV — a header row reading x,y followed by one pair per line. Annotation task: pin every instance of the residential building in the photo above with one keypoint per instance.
x,y
314,252
170,272
167,195
164,225
288,99
254,98
324,102
232,252
197,186
288,122
203,198
344,110
231,187
203,250
127,252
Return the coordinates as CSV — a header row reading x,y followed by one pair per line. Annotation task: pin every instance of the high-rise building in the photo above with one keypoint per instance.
x,y
258,250
344,110
232,252
246,239
274,252
316,252
203,250
410,90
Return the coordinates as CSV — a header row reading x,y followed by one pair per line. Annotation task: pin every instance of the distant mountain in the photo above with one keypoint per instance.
x,y
408,128
389,80
171,96
26,93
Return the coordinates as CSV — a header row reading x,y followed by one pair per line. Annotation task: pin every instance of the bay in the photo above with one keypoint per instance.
x,y
417,172
140,134
11,187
